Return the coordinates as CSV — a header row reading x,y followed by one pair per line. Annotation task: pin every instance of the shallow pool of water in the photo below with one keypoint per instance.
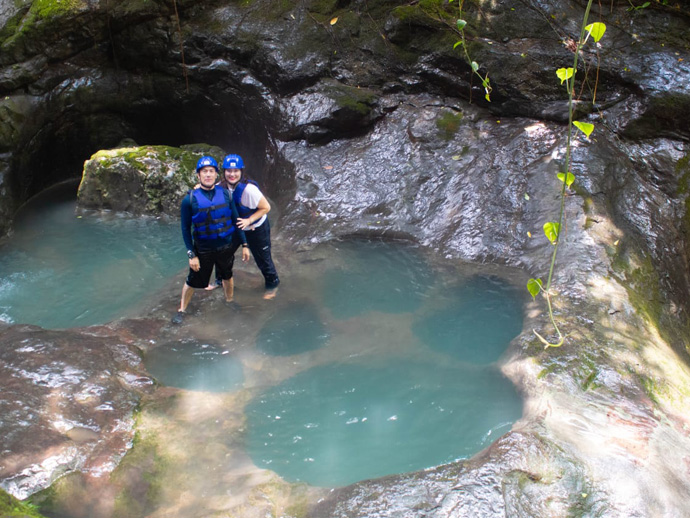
x,y
195,365
397,366
340,423
375,358
61,270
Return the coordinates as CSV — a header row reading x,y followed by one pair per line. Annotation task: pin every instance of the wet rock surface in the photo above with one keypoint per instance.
x,y
68,401
364,127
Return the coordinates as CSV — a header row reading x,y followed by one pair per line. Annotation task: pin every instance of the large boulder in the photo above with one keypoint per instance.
x,y
141,179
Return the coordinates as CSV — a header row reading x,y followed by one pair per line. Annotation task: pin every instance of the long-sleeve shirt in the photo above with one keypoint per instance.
x,y
189,207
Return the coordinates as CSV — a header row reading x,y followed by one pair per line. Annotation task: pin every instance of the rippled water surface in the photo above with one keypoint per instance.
x,y
340,423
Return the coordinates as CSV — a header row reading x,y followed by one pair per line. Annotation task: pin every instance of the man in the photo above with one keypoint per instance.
x,y
252,206
208,217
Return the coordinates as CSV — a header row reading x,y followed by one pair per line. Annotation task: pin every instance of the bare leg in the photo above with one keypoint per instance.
x,y
187,292
229,289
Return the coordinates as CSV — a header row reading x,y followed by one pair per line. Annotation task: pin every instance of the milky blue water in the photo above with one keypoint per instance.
x,y
293,330
375,358
473,321
411,379
195,365
60,270
340,423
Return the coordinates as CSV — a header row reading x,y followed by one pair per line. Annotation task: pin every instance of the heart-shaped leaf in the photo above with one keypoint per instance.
x,y
564,73
567,178
584,127
551,230
596,30
461,24
534,287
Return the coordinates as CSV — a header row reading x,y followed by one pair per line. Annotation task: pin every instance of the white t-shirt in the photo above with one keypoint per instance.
x,y
251,198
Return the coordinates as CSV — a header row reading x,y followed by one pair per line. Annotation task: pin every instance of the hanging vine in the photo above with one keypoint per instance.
x,y
461,24
179,32
552,229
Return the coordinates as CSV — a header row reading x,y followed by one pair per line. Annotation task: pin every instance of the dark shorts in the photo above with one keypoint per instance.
x,y
222,258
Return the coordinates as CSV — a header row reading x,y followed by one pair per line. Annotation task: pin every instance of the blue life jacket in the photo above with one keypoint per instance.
x,y
243,211
213,218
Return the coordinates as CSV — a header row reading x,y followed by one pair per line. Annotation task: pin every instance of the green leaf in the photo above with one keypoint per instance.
x,y
584,127
475,66
551,230
534,286
527,196
596,30
564,73
487,97
457,43
461,24
568,179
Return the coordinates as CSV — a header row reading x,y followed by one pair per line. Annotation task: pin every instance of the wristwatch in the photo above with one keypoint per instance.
x,y
245,246
191,254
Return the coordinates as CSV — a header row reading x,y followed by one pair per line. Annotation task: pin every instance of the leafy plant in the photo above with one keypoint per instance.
x,y
634,7
552,229
461,24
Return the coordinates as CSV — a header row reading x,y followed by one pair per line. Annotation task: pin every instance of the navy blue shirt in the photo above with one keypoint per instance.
x,y
189,207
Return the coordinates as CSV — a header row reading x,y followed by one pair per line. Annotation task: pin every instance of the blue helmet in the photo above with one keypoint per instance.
x,y
206,161
233,162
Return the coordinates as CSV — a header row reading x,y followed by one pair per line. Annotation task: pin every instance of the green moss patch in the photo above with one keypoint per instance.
x,y
139,476
358,100
10,506
448,124
429,13
54,8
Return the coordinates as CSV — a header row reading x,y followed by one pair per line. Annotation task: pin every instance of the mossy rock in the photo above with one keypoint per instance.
x,y
358,101
141,179
11,507
428,13
41,13
139,478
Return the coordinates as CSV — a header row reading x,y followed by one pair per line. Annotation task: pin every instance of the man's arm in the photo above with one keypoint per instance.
x,y
186,211
186,222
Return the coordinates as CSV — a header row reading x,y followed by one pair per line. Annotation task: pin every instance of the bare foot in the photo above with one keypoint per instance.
x,y
212,286
270,294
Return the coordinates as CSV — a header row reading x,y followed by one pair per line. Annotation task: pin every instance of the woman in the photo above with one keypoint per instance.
x,y
252,206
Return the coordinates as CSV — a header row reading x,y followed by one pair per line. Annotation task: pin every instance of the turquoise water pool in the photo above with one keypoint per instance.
x,y
62,270
375,358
